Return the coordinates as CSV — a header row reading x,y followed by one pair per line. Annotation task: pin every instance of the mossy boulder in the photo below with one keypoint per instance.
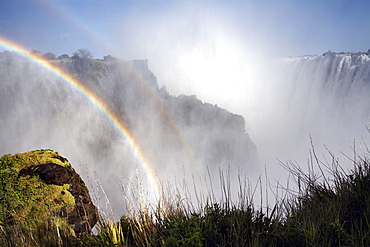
x,y
42,185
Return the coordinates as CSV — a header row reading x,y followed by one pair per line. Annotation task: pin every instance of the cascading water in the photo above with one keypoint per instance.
x,y
326,97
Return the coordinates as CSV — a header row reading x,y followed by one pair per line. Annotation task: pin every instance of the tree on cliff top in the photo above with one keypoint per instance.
x,y
82,54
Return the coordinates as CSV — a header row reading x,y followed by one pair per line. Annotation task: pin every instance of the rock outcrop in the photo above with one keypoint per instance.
x,y
40,185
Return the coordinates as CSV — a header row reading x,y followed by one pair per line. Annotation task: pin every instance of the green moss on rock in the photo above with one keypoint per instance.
x,y
38,185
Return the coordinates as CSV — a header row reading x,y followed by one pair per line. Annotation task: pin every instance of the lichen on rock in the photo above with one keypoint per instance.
x,y
39,185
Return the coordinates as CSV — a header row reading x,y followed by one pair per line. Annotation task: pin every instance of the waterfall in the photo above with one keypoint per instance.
x,y
326,97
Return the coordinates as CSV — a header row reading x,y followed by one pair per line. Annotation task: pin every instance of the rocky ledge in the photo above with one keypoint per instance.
x,y
41,185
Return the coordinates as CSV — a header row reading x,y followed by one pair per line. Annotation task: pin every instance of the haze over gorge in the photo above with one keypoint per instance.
x,y
185,138
173,137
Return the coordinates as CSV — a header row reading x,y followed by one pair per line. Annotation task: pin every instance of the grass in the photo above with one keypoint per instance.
x,y
329,208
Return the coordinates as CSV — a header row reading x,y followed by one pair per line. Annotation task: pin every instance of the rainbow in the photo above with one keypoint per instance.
x,y
93,98
59,10
158,103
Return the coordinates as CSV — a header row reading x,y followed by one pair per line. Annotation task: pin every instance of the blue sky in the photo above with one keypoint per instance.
x,y
137,29
192,46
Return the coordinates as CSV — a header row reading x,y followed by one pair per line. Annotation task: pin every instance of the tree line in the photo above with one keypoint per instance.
x,y
80,54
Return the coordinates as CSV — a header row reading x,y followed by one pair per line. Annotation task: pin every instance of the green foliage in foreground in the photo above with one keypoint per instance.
x,y
27,199
323,212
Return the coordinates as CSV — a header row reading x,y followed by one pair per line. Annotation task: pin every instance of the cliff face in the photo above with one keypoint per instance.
x,y
176,130
174,133
214,136
217,136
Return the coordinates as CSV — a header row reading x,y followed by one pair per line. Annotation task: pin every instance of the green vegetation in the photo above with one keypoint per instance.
x,y
327,210
25,200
